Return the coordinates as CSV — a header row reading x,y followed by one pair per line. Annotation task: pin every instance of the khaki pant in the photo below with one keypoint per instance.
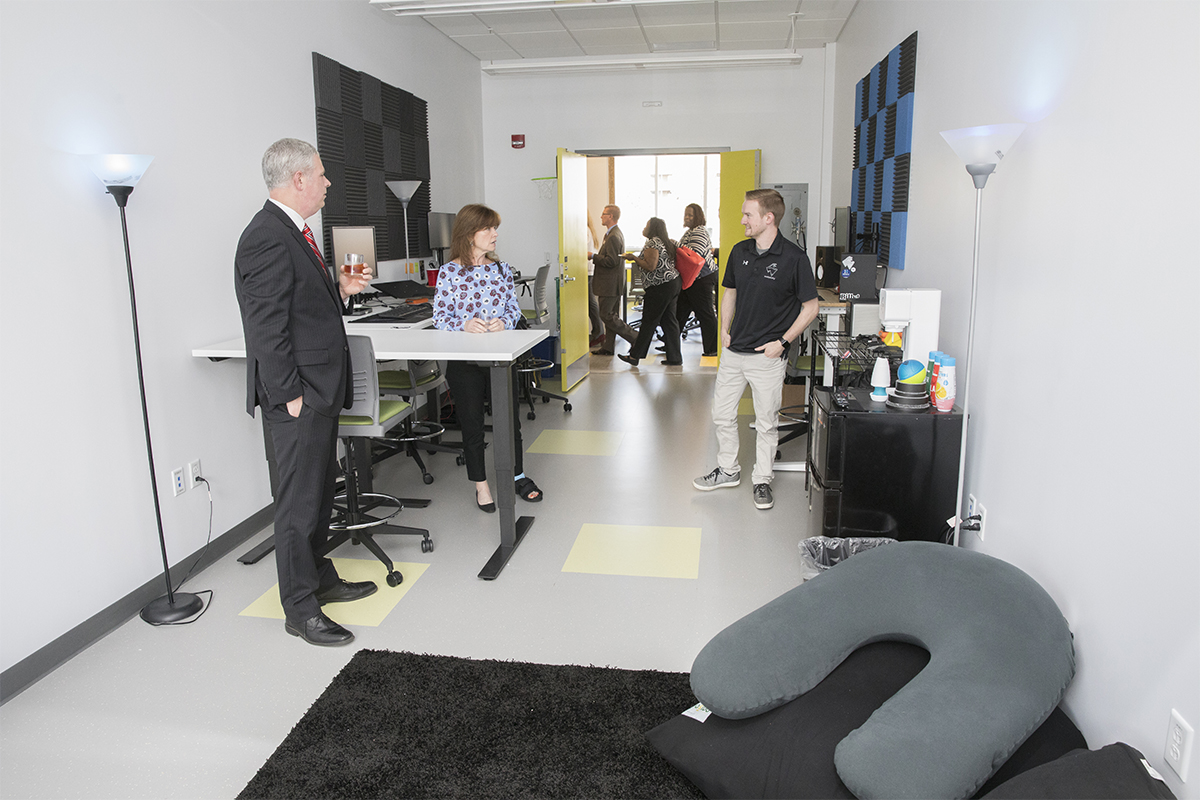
x,y
765,377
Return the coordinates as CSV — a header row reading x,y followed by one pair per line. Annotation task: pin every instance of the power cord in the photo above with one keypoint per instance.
x,y
208,541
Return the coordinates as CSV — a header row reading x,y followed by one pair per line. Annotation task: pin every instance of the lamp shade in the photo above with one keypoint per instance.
x,y
881,379
404,190
119,170
986,144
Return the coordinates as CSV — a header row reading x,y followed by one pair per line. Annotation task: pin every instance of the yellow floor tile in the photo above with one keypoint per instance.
x,y
370,611
577,443
636,550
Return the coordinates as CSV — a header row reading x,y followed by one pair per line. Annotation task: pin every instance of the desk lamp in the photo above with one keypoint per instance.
x,y
980,149
405,191
881,379
119,174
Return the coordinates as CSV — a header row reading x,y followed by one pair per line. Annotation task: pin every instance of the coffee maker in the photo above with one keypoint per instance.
x,y
915,314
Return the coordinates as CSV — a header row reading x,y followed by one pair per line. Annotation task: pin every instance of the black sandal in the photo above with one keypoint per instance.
x,y
527,488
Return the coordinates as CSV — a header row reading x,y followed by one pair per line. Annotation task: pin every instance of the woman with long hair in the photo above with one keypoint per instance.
x,y
476,294
661,283
700,297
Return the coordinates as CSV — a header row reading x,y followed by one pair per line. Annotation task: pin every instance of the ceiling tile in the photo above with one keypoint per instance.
x,y
761,34
680,33
486,47
677,13
596,15
611,37
826,30
618,50
465,25
521,21
755,10
543,44
827,9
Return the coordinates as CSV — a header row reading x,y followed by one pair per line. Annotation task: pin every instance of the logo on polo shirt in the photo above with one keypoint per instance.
x,y
772,269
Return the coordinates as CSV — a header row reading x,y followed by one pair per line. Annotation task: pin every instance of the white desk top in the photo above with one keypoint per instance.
x,y
418,343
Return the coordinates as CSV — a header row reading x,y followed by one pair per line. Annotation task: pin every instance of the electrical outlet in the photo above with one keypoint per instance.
x,y
1178,750
975,508
982,512
177,484
193,473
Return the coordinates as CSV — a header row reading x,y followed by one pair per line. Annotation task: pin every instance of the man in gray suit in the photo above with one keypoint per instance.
x,y
609,282
298,371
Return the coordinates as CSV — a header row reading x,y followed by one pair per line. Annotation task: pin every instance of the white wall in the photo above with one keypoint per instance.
x,y
205,88
776,109
1084,431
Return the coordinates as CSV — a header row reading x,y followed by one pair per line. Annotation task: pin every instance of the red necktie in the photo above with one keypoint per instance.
x,y
308,234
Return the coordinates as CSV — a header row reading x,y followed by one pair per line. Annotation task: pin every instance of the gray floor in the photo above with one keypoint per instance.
x,y
194,711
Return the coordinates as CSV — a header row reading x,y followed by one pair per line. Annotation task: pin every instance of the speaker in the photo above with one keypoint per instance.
x,y
857,280
828,269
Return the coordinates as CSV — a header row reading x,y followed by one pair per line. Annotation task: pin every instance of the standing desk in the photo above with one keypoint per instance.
x,y
497,350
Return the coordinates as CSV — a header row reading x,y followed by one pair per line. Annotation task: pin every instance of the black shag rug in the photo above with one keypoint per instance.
x,y
401,725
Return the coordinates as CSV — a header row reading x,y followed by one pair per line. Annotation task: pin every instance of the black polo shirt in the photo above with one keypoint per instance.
x,y
770,290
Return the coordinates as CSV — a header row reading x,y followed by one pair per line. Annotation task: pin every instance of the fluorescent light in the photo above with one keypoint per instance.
x,y
550,65
433,8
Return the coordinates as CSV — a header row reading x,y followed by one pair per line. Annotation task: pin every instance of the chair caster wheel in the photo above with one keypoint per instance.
x,y
566,406
427,478
460,460
545,399
394,579
531,415
427,545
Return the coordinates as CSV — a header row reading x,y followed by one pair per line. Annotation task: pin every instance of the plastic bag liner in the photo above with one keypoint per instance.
x,y
819,553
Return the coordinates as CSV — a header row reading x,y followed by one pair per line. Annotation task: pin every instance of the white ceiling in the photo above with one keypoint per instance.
x,y
576,29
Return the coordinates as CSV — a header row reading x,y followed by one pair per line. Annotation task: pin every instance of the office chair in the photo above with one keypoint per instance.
x,y
360,513
529,368
421,377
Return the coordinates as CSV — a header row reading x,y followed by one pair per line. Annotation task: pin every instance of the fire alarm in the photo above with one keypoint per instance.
x,y
518,141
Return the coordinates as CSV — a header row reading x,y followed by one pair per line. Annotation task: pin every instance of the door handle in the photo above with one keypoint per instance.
x,y
567,279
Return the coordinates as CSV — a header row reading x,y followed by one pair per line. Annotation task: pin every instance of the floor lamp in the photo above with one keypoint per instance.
x,y
119,174
405,191
980,149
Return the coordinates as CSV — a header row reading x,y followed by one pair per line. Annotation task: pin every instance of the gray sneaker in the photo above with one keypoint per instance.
x,y
717,479
762,495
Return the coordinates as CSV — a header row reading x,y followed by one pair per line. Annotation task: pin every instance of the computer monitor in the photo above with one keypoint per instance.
x,y
440,226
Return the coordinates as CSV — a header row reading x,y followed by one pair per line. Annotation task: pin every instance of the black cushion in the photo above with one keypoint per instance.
x,y
788,751
1115,772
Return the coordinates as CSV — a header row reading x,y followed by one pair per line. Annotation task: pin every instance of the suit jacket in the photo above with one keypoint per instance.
x,y
609,261
291,317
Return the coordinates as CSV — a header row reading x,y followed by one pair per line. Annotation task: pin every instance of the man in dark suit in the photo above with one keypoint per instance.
x,y
609,282
298,371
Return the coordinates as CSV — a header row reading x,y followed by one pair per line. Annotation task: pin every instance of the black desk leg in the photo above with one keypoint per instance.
x,y
512,530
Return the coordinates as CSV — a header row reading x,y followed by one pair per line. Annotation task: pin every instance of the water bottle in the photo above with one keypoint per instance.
x,y
944,397
935,360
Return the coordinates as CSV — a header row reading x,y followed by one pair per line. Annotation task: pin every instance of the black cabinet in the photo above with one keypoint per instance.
x,y
880,471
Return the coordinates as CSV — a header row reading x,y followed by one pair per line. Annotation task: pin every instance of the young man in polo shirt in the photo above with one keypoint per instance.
x,y
770,298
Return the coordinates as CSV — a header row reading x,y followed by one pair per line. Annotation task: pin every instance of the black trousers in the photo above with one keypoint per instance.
x,y
470,386
658,308
306,460
701,299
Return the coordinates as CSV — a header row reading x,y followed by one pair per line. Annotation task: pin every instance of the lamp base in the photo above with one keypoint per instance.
x,y
163,612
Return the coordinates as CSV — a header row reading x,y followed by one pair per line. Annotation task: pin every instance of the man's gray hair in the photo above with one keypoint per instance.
x,y
284,159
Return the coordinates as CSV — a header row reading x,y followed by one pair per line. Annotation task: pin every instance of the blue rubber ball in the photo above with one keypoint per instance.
x,y
911,371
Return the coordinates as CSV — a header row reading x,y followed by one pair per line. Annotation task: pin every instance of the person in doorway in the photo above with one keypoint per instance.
x,y
609,282
298,372
661,283
476,294
596,326
770,298
701,297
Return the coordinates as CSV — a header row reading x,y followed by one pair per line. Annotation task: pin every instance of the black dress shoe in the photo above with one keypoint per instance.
x,y
662,348
673,363
630,360
344,592
602,352
320,630
709,355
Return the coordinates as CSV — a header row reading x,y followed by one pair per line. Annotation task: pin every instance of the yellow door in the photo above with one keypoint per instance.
x,y
572,261
740,172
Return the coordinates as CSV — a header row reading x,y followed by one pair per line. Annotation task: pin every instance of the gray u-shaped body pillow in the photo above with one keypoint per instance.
x,y
1001,656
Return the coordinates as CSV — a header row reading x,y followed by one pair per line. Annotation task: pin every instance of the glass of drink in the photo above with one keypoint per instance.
x,y
354,264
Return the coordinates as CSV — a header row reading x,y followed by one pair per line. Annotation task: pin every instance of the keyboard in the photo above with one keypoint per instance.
x,y
408,314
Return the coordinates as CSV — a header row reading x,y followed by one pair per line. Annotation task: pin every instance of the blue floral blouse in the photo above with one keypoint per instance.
x,y
485,291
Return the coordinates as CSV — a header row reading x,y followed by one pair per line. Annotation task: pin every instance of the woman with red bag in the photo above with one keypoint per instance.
x,y
700,297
